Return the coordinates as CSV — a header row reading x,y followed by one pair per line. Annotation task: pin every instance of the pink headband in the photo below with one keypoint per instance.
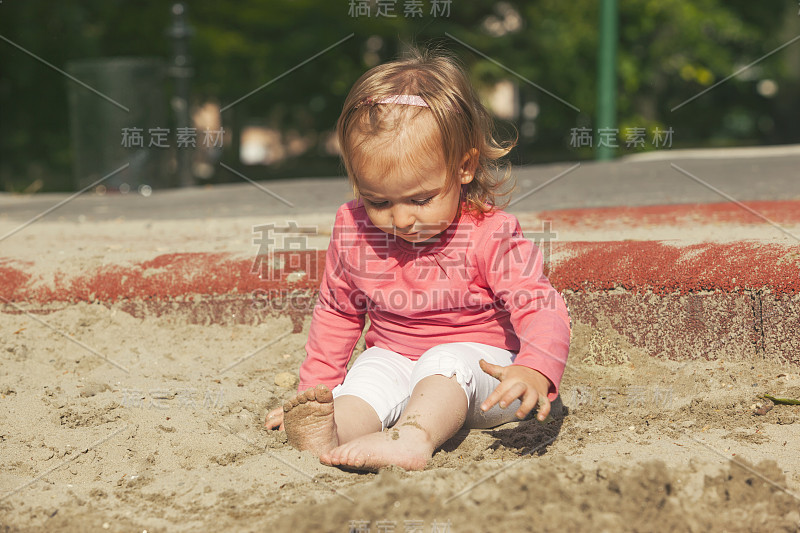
x,y
403,99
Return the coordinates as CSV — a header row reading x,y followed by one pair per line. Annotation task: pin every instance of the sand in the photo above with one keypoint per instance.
x,y
110,422
114,423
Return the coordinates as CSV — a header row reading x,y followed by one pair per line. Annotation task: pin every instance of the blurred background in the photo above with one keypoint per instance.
x,y
179,92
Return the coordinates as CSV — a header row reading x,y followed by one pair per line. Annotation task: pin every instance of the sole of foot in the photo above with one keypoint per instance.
x,y
309,422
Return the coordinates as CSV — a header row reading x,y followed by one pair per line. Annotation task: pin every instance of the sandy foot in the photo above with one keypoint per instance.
x,y
405,446
308,418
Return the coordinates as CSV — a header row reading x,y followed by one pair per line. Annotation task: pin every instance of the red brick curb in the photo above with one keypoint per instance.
x,y
785,212
731,300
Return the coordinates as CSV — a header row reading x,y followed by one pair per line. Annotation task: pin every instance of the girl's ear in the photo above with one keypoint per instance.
x,y
469,163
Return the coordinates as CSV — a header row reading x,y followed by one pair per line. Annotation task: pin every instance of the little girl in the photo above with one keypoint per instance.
x,y
465,329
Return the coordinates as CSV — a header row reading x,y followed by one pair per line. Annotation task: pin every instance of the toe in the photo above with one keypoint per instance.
x,y
303,397
323,394
354,458
337,455
294,401
358,460
309,395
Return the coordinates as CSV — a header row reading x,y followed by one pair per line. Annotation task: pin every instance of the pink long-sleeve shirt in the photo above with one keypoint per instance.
x,y
480,281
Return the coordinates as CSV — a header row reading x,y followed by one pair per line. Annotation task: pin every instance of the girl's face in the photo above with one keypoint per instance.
x,y
416,204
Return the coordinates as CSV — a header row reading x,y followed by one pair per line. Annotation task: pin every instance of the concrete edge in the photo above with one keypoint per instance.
x,y
657,267
737,301
785,212
739,152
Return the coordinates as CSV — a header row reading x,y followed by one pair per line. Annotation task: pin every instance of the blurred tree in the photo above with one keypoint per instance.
x,y
34,143
669,51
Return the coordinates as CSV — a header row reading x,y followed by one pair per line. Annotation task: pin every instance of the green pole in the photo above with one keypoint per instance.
x,y
607,80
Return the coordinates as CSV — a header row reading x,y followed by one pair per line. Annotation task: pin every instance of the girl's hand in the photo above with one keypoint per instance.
x,y
518,382
275,419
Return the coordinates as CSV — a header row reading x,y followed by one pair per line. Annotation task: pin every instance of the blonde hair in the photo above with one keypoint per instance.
x,y
464,126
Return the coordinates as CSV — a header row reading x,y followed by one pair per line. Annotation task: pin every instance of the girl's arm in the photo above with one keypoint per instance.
x,y
514,270
336,324
338,317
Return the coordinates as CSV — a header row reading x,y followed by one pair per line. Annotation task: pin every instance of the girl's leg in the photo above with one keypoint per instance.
x,y
448,389
460,363
435,412
354,417
462,360
372,397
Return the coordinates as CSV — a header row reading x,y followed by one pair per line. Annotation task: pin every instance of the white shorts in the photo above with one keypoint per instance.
x,y
385,379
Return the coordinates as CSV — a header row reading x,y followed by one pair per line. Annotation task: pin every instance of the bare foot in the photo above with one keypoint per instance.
x,y
405,446
308,418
